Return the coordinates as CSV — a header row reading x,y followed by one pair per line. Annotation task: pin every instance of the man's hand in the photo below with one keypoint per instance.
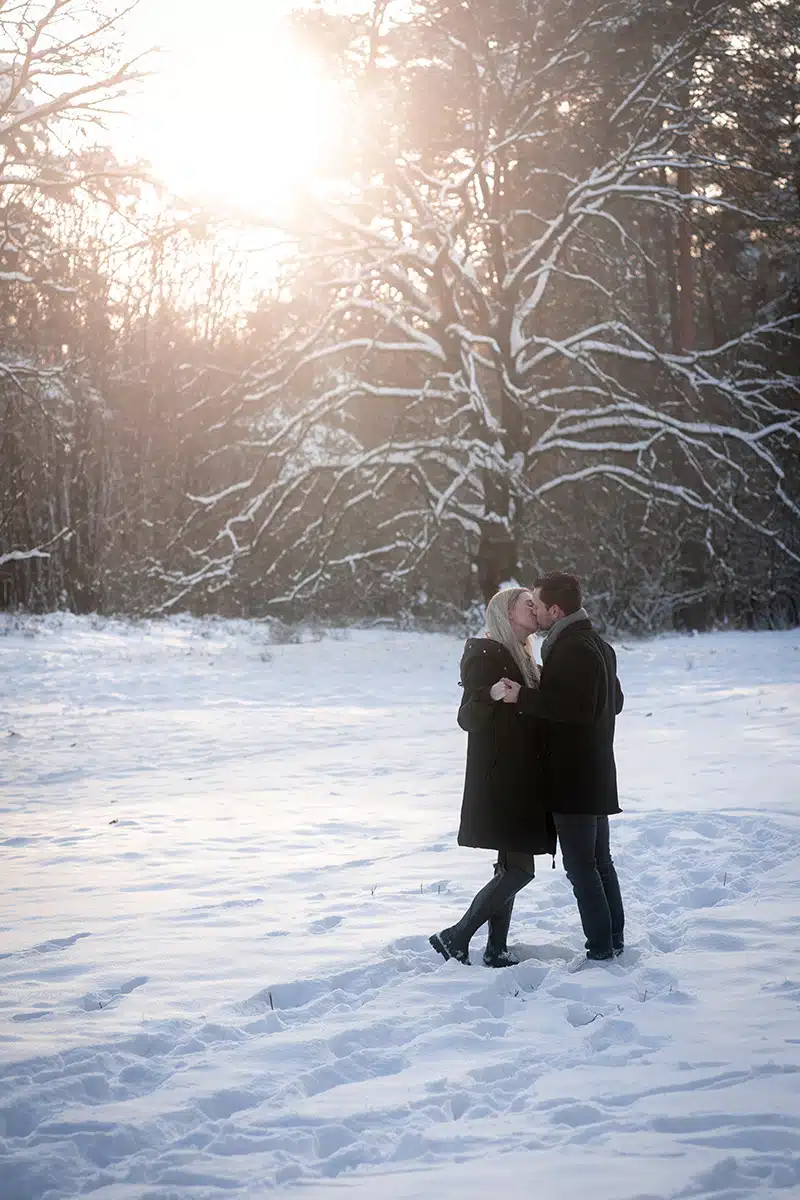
x,y
512,691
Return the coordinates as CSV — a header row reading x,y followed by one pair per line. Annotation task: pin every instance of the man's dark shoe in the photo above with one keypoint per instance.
x,y
617,949
499,958
442,945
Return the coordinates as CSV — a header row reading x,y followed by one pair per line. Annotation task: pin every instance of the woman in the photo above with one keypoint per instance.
x,y
501,810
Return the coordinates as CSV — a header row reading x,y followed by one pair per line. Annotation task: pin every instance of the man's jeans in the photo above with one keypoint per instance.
x,y
586,852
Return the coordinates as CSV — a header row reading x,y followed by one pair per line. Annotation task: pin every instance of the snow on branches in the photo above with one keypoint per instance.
x,y
503,303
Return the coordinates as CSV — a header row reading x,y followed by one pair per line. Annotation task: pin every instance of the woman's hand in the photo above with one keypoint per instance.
x,y
511,691
498,690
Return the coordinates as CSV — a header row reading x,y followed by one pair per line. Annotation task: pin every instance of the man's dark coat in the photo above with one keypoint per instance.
x,y
502,807
576,702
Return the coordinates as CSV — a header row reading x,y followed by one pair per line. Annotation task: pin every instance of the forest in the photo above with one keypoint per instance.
x,y
540,308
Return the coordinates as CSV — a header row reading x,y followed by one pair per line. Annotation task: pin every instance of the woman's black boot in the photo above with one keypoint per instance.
x,y
490,900
497,953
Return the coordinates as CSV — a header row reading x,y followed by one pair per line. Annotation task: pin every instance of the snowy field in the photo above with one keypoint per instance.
x,y
221,859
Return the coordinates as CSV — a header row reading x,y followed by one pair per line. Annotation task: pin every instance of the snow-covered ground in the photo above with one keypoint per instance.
x,y
221,859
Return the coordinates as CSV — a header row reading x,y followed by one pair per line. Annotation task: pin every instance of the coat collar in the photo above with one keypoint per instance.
x,y
576,622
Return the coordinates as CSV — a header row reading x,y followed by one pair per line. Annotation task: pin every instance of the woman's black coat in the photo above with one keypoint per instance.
x,y
502,807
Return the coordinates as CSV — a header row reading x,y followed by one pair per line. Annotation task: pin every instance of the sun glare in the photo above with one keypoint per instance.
x,y
238,112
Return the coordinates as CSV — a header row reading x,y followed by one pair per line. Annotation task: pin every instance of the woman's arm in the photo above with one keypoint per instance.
x,y
478,674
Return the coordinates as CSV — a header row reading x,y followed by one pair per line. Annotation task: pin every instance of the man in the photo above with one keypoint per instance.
x,y
577,700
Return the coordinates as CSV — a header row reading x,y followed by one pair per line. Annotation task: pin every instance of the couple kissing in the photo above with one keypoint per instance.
x,y
540,764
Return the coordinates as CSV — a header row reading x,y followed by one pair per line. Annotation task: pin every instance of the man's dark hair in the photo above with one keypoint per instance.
x,y
561,588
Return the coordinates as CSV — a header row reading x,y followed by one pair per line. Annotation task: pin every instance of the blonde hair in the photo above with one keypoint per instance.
x,y
498,628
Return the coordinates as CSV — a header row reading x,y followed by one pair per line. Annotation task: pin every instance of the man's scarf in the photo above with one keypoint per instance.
x,y
558,628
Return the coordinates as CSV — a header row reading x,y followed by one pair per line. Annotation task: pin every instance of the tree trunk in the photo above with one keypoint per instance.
x,y
711,310
672,276
651,289
687,335
497,560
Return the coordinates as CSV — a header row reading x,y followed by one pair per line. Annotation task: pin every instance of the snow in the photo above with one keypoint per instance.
x,y
21,556
222,858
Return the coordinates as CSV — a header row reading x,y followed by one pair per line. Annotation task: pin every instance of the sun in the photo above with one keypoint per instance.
x,y
239,113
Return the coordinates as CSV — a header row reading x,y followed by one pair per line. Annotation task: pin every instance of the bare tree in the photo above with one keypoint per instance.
x,y
62,72
477,326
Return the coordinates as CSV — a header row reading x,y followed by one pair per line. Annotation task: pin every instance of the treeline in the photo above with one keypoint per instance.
x,y
545,314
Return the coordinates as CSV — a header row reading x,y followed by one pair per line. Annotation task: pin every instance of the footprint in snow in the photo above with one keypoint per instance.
x,y
49,946
59,943
324,924
705,897
582,1014
578,1115
94,1001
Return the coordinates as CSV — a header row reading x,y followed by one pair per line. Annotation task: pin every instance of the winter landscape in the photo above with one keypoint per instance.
x,y
223,851
321,323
